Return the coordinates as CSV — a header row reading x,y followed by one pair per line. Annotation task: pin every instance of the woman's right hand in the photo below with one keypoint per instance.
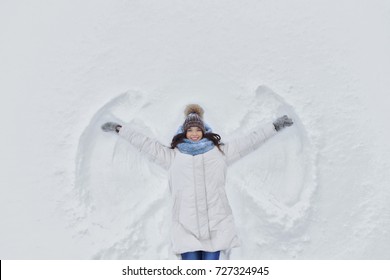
x,y
111,126
282,122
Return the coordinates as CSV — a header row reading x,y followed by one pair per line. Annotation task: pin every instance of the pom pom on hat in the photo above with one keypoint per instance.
x,y
194,108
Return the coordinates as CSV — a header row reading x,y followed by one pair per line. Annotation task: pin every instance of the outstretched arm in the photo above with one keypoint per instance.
x,y
242,146
159,153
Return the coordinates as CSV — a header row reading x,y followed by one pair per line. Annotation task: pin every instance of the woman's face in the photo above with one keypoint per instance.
x,y
194,133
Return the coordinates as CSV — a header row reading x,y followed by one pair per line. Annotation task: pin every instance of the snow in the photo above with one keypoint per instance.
x,y
317,190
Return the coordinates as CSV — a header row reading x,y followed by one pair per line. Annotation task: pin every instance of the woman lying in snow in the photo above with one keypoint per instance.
x,y
197,161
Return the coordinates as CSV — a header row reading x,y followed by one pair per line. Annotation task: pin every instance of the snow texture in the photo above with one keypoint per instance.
x,y
317,190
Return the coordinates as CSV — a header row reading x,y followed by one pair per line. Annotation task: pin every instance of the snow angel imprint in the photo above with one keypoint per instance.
x,y
197,161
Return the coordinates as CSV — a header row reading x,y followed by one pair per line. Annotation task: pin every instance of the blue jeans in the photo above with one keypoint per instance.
x,y
200,255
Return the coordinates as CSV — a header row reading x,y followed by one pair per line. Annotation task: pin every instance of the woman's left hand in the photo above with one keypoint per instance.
x,y
111,126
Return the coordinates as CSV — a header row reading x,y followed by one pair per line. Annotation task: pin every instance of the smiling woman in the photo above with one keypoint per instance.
x,y
202,219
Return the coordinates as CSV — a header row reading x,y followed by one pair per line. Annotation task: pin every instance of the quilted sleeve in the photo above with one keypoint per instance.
x,y
157,152
242,146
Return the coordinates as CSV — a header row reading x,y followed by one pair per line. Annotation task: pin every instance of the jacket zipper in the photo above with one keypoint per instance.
x,y
196,196
205,192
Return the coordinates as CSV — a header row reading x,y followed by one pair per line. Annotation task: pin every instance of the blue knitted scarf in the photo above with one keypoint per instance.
x,y
195,147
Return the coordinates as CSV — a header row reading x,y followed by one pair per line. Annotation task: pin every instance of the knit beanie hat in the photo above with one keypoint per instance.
x,y
194,117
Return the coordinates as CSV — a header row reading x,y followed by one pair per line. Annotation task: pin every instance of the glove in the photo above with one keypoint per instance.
x,y
282,122
111,126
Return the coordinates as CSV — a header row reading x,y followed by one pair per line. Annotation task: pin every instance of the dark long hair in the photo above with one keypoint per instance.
x,y
215,138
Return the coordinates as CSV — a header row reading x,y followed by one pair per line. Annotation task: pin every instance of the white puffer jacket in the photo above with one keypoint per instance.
x,y
202,217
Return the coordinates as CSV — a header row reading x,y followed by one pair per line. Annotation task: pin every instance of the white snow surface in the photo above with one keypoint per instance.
x,y
317,190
